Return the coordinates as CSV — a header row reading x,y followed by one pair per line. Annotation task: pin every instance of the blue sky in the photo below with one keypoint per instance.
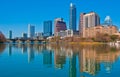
x,y
16,14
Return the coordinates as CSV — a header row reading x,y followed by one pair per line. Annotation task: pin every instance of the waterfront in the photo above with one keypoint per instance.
x,y
33,60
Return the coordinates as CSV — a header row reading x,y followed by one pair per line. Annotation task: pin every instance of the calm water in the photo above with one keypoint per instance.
x,y
19,60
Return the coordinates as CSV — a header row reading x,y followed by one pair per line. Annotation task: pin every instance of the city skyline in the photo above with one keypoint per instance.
x,y
16,18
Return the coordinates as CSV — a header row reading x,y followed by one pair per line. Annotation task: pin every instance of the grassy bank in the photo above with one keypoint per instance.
x,y
87,43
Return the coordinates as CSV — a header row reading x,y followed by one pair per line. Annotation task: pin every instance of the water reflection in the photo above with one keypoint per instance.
x,y
47,56
2,48
92,56
87,59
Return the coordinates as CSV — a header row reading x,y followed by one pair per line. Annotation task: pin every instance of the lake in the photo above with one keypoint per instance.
x,y
37,60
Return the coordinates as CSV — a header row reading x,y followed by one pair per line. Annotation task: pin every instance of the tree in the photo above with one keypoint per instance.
x,y
2,38
114,37
102,38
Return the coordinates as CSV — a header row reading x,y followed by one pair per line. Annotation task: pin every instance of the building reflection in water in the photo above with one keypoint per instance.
x,y
24,48
72,66
47,57
30,53
9,49
59,57
90,57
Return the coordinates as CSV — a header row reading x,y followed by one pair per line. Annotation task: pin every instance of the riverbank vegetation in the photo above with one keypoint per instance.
x,y
2,38
99,39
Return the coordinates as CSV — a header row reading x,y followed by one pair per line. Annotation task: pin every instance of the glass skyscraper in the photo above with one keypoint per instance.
x,y
72,22
10,34
47,28
31,31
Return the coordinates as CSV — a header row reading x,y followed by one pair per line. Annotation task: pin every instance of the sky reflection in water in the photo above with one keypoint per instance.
x,y
18,60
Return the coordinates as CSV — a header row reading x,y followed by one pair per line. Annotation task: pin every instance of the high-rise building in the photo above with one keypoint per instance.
x,y
60,25
72,22
47,28
88,20
108,21
24,35
31,31
10,34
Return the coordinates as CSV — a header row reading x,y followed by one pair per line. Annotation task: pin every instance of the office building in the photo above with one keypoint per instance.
x,y
72,21
10,34
47,28
31,31
24,35
60,25
39,35
88,20
108,21
93,31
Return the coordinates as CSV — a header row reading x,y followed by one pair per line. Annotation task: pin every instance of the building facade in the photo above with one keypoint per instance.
x,y
93,31
10,34
47,28
31,31
72,21
60,25
88,20
24,35
39,35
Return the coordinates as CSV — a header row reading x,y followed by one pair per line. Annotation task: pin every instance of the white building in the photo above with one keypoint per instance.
x,y
31,31
66,33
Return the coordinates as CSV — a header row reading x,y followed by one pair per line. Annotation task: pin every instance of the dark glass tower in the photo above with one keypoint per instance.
x,y
47,28
72,22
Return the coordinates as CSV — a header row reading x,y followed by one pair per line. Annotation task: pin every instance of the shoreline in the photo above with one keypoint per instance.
x,y
87,43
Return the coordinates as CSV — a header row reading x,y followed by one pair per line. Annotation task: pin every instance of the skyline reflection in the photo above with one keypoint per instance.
x,y
89,58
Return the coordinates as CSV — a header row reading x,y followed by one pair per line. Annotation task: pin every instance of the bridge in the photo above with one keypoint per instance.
x,y
25,41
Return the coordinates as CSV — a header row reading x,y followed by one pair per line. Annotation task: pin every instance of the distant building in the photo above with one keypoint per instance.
x,y
60,25
108,21
39,35
31,31
10,34
24,35
93,31
88,20
47,28
66,33
72,22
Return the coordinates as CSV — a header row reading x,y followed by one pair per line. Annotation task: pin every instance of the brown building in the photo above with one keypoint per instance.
x,y
93,31
60,25
88,20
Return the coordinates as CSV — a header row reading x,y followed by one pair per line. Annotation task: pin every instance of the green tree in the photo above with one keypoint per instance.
x,y
114,37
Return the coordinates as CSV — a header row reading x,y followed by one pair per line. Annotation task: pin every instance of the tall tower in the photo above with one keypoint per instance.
x,y
31,31
10,34
72,22
88,20
47,28
81,24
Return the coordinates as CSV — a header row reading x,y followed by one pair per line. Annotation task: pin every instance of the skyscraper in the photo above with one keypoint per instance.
x,y
10,34
60,25
47,28
31,31
24,35
108,21
72,22
88,20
